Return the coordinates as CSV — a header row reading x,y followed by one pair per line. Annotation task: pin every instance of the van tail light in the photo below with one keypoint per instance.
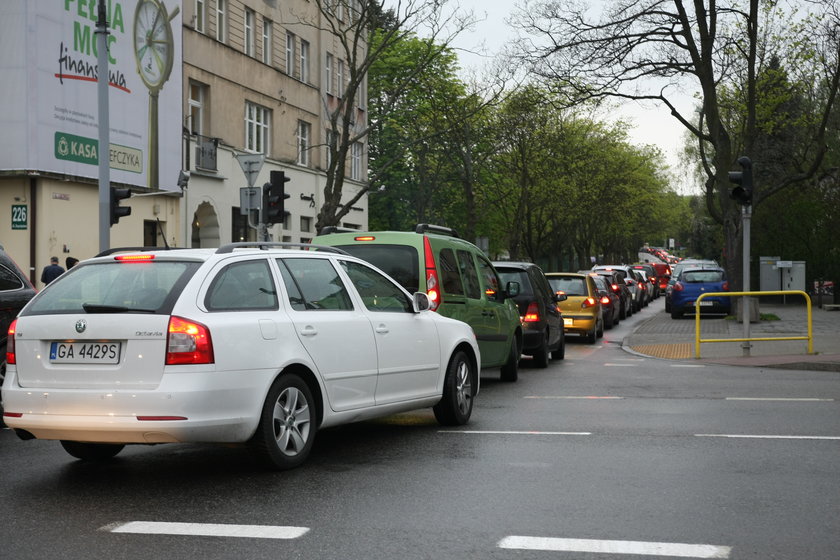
x,y
532,315
432,281
10,344
678,287
725,287
588,302
188,342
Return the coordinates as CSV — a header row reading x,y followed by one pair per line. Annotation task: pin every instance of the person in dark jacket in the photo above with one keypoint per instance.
x,y
52,271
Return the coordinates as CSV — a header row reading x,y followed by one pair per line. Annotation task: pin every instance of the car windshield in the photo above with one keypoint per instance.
x,y
114,287
400,262
569,286
701,276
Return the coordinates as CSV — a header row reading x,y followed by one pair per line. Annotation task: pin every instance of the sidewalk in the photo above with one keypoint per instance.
x,y
674,339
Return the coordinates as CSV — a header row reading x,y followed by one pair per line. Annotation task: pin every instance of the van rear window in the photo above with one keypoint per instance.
x,y
400,262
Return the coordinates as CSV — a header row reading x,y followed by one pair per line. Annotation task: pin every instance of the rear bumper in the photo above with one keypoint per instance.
x,y
579,324
224,409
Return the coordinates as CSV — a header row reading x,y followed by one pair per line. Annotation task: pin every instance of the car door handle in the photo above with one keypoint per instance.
x,y
308,330
382,329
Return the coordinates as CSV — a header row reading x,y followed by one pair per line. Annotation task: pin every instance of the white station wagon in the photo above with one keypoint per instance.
x,y
252,342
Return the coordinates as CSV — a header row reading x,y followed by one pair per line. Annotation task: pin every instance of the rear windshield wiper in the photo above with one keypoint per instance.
x,y
97,308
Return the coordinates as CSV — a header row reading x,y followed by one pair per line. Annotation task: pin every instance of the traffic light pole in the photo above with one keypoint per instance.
x,y
104,130
746,214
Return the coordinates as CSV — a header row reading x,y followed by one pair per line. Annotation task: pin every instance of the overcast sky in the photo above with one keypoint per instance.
x,y
653,125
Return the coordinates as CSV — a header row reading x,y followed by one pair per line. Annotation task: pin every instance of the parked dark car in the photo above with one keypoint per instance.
x,y
651,276
610,301
15,291
542,321
620,288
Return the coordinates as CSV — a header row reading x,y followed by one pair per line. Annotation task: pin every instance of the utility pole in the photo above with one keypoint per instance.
x,y
104,129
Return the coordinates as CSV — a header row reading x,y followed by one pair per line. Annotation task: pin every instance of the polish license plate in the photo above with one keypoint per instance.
x,y
706,303
85,352
568,322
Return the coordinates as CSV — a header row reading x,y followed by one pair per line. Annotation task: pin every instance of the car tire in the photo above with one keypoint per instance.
x,y
600,331
287,426
456,404
540,355
667,306
92,451
676,314
592,336
622,312
510,371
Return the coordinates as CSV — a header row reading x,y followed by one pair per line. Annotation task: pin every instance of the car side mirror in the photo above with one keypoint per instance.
x,y
421,302
560,296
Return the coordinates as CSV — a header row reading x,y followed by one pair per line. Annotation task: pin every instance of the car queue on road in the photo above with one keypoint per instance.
x,y
264,344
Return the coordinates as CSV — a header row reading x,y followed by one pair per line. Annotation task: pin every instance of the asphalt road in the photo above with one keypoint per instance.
x,y
605,455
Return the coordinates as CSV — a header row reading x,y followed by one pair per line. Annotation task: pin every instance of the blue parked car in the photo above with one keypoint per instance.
x,y
694,282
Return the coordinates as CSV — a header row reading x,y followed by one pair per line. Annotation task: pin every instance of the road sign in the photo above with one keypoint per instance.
x,y
251,165
249,199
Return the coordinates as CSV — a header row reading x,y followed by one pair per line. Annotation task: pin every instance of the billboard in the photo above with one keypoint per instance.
x,y
49,117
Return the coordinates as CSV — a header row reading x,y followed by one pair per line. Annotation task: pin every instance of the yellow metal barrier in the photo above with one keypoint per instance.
x,y
698,340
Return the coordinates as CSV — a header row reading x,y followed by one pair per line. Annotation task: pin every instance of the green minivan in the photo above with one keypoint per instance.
x,y
459,279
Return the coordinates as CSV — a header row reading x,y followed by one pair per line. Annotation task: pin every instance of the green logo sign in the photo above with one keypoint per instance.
x,y
20,216
76,148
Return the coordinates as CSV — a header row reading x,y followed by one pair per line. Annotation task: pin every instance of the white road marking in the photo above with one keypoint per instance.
x,y
749,436
209,530
687,365
616,547
619,365
783,399
515,432
591,397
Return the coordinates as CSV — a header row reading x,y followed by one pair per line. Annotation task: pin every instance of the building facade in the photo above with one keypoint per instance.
x,y
248,80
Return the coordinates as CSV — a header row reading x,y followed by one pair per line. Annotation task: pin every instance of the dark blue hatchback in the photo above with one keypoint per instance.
x,y
695,282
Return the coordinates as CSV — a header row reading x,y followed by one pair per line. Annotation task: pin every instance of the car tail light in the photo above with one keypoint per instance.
x,y
134,258
533,313
188,342
365,238
10,344
432,283
605,300
615,288
588,302
725,287
678,287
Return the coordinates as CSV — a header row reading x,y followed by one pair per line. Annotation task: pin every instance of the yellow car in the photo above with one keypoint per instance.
x,y
582,313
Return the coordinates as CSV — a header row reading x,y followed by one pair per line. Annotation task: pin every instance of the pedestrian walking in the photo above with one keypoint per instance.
x,y
52,271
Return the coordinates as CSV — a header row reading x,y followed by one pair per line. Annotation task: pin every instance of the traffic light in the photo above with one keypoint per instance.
x,y
118,211
274,197
743,192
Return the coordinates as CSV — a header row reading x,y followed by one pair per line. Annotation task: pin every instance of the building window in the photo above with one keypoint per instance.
x,y
356,161
339,79
330,135
221,21
304,132
268,31
257,125
199,15
250,19
290,54
328,74
198,96
304,61
305,224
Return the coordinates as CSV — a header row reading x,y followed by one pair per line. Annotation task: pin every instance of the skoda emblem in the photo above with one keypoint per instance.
x,y
81,325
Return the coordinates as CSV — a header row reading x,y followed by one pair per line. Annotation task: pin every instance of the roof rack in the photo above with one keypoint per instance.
x,y
423,228
113,250
265,245
326,230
